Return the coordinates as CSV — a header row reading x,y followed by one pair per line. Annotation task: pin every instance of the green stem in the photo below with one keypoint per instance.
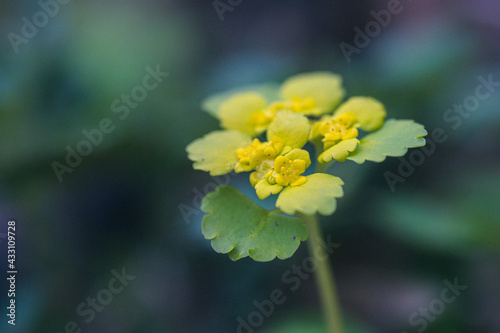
x,y
324,276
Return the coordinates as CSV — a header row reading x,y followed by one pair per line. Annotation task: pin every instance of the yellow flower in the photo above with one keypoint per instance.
x,y
273,164
287,172
221,152
306,107
335,129
257,153
339,131
279,162
311,94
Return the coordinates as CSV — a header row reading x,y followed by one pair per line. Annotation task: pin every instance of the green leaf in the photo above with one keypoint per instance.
x,y
238,226
318,194
212,103
216,151
237,112
393,139
292,128
370,112
339,152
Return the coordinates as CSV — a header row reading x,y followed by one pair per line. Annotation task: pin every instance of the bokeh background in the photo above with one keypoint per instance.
x,y
122,206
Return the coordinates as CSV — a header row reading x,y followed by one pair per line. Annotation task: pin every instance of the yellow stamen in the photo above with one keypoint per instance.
x,y
288,172
258,155
342,127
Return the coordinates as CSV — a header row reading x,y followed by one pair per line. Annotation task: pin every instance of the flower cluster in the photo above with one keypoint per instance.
x,y
265,130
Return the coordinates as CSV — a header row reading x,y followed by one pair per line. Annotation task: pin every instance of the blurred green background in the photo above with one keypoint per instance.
x,y
124,205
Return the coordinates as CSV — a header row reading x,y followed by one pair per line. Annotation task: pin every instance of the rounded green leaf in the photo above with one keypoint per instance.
x,y
339,152
318,194
238,226
324,88
370,112
216,151
393,139
292,128
236,113
212,103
